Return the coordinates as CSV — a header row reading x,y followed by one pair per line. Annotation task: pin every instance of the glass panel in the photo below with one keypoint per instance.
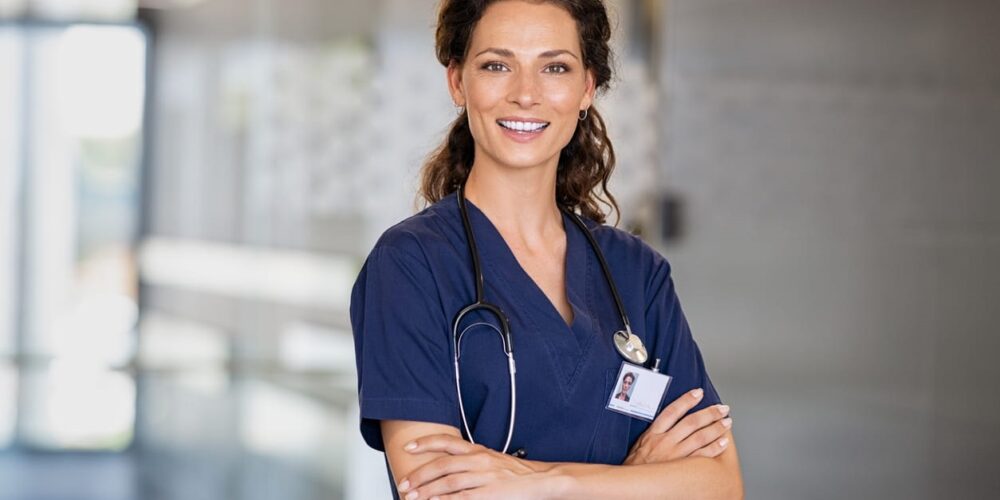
x,y
10,152
80,307
8,404
87,113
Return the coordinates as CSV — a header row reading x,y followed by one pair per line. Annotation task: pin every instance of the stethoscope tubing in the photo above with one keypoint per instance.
x,y
504,330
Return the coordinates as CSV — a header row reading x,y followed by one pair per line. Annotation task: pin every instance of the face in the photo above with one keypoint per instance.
x,y
626,384
523,83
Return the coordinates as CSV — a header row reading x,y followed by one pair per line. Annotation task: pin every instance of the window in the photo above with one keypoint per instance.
x,y
69,205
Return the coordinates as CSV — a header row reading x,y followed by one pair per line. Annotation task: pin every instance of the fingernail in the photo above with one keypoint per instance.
x,y
405,485
412,445
727,422
411,495
435,498
724,409
697,393
722,442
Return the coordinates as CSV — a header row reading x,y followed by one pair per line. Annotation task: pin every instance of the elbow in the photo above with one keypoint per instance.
x,y
730,483
737,493
734,489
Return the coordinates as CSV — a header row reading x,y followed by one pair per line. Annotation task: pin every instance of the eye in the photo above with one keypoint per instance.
x,y
557,68
494,66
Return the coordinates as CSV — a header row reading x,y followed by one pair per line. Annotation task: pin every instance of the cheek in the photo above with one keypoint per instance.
x,y
564,98
484,95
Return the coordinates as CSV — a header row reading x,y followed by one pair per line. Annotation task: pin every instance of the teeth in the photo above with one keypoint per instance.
x,y
523,126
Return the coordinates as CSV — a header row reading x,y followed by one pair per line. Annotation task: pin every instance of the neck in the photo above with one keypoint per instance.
x,y
520,202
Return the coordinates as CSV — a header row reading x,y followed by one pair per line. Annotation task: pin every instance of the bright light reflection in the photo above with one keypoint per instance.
x,y
306,346
285,276
98,327
101,79
87,407
171,342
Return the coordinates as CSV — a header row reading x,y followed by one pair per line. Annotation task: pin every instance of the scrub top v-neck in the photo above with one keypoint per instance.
x,y
419,275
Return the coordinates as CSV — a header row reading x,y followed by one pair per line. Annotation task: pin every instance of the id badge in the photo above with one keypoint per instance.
x,y
638,391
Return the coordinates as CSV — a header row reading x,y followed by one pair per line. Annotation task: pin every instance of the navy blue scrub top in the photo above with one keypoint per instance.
x,y
419,275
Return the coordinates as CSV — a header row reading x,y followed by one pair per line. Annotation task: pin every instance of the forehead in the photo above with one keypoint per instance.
x,y
525,27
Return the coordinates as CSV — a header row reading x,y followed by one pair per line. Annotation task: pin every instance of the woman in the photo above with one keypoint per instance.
x,y
526,152
627,380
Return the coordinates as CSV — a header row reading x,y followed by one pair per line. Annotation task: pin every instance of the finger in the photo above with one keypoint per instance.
x,y
446,443
441,467
713,450
705,436
675,410
697,420
450,484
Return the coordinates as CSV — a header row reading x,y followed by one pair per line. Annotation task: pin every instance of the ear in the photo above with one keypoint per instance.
x,y
588,95
454,75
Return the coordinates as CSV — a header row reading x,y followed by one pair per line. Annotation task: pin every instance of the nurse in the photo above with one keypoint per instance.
x,y
526,154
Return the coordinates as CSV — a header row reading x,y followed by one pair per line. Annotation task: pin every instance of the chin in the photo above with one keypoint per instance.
x,y
524,160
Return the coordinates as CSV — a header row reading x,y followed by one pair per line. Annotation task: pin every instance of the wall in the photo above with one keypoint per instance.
x,y
838,167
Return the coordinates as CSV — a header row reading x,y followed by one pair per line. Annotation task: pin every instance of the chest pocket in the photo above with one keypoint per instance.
x,y
610,443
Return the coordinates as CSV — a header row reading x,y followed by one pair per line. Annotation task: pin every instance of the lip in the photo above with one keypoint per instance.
x,y
518,136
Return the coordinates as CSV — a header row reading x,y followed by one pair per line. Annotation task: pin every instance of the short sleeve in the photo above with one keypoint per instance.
x,y
675,346
401,344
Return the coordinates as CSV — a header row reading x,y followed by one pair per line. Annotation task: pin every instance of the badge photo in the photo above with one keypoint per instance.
x,y
638,392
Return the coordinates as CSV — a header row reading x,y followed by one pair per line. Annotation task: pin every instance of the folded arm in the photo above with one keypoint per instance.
x,y
679,456
691,477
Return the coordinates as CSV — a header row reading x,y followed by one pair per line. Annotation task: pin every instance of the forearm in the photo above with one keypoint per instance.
x,y
691,477
694,477
479,472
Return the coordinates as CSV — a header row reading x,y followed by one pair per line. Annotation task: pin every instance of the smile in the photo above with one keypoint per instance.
x,y
522,126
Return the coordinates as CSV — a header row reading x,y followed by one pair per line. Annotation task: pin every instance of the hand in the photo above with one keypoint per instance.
x,y
699,434
475,471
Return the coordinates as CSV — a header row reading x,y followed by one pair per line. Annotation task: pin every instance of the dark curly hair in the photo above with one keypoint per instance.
x,y
584,164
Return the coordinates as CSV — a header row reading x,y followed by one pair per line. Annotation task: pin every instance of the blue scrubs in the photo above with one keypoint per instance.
x,y
419,275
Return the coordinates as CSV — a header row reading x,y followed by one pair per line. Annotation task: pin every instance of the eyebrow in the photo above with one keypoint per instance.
x,y
547,54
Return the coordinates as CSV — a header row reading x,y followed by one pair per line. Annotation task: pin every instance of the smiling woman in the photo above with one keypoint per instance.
x,y
513,243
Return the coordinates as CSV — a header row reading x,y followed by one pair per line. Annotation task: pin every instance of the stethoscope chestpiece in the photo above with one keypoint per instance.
x,y
630,347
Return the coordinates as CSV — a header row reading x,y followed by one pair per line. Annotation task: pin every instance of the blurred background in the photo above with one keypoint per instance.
x,y
188,189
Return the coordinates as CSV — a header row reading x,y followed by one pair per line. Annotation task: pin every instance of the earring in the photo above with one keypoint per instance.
x,y
583,114
459,109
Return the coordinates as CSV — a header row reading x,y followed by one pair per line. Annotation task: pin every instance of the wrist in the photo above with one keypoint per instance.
x,y
558,483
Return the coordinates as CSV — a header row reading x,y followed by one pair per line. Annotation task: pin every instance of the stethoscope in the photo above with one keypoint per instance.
x,y
628,344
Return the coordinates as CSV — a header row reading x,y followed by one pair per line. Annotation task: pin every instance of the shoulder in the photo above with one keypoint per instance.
x,y
621,245
419,236
410,255
630,255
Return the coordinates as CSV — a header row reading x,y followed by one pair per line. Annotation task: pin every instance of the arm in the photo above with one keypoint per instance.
x,y
687,456
397,433
691,477
471,471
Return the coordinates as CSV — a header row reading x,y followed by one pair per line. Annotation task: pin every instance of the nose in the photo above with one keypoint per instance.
x,y
524,90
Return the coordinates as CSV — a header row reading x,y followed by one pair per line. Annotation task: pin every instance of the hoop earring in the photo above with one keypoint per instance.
x,y
583,114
